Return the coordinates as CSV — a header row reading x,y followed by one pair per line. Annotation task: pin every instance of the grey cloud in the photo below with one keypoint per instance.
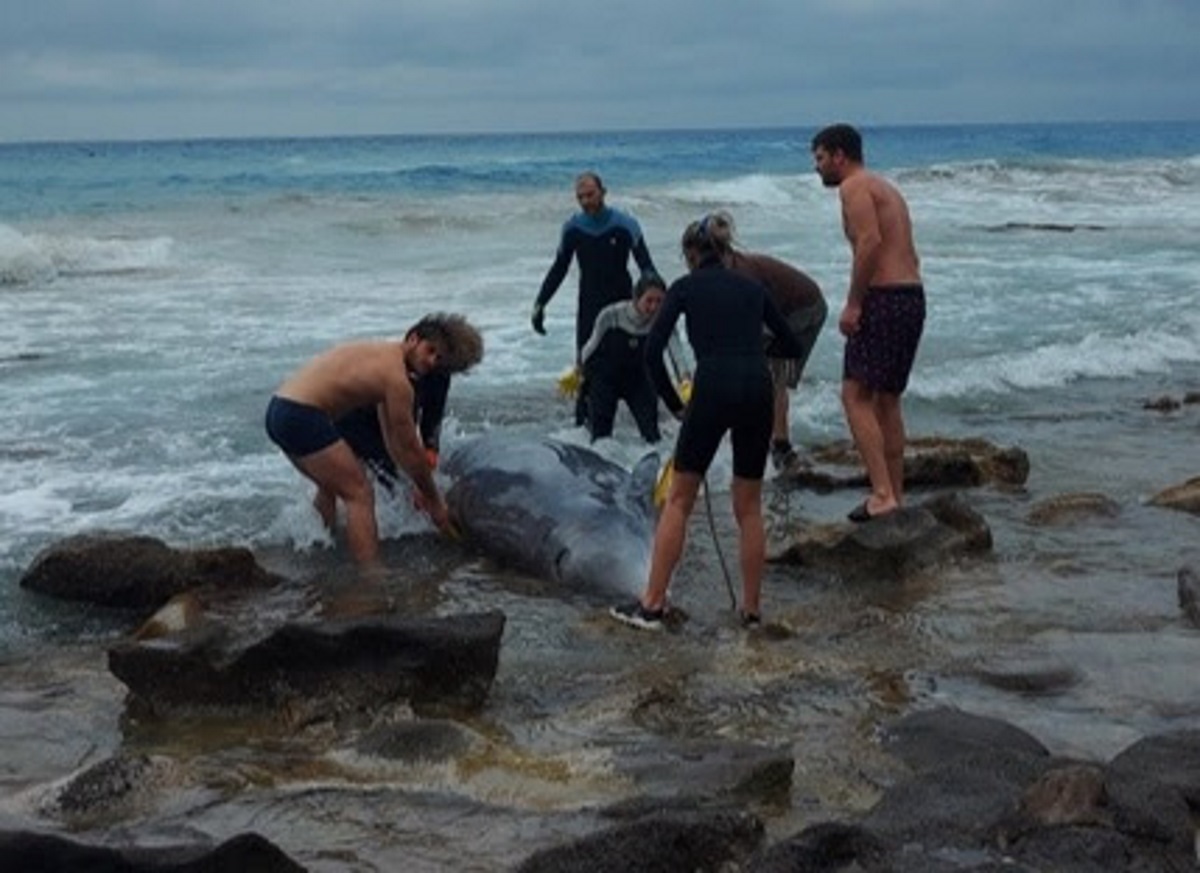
x,y
80,68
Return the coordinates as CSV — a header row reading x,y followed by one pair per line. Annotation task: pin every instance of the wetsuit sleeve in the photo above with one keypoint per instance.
x,y
676,353
430,401
558,270
656,342
641,254
605,321
785,339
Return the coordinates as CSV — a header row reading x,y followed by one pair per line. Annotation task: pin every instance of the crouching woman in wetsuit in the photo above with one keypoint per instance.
x,y
725,313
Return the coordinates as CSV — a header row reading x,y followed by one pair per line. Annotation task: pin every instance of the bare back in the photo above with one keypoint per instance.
x,y
876,222
352,375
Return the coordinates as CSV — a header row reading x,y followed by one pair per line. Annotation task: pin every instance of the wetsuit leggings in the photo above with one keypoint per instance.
x,y
639,396
734,395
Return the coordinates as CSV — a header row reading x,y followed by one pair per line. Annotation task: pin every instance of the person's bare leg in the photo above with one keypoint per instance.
x,y
325,503
752,540
891,424
780,431
335,469
669,537
858,402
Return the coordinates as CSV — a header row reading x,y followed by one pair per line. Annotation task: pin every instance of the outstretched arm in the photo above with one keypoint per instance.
x,y
641,254
656,342
404,446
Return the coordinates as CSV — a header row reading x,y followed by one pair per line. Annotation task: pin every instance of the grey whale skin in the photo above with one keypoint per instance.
x,y
559,511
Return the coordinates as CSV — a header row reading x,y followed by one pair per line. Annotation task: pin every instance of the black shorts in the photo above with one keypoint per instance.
x,y
298,428
733,395
880,356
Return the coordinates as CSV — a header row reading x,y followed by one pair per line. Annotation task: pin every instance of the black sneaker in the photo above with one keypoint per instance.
x,y
783,455
750,620
638,616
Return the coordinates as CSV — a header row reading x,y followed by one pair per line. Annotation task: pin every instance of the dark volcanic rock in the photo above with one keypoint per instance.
x,y
311,668
929,462
137,572
33,852
697,843
893,545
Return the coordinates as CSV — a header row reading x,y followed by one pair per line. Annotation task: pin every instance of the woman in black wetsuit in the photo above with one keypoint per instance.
x,y
732,391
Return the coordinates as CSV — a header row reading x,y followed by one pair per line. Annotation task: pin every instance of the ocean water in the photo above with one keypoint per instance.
x,y
153,294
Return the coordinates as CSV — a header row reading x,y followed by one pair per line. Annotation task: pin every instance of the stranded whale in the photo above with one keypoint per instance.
x,y
556,510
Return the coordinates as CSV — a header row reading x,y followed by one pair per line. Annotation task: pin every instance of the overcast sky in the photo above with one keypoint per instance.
x,y
128,69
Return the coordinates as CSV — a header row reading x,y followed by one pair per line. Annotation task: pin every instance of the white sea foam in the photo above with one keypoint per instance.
x,y
22,260
1058,364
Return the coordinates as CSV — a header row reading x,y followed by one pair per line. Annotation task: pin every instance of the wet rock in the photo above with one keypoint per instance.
x,y
929,462
1033,680
114,788
137,572
698,843
1184,497
985,795
33,852
310,669
410,742
1083,812
1171,759
947,806
830,846
934,738
1071,508
1165,403
707,770
1069,795
1080,849
1189,595
892,546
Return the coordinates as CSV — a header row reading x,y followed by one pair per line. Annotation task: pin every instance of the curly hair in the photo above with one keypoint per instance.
x,y
460,341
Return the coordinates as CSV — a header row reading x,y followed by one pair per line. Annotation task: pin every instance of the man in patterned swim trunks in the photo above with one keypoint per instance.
x,y
884,313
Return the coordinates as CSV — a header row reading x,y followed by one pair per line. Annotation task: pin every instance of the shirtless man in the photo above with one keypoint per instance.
x,y
300,419
884,313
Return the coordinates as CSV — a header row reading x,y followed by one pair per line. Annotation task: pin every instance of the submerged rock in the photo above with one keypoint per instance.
x,y
1070,508
1184,497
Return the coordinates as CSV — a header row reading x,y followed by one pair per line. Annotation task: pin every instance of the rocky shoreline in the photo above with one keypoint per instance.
x,y
969,793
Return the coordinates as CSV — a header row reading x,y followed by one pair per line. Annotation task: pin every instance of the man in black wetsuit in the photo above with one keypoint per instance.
x,y
601,239
732,392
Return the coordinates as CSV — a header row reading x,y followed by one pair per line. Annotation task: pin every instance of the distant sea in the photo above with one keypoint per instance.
x,y
153,294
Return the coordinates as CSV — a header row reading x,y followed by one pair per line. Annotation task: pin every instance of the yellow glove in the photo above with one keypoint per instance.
x,y
685,390
662,487
568,382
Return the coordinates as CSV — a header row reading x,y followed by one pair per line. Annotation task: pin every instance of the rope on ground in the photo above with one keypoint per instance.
x,y
712,527
681,377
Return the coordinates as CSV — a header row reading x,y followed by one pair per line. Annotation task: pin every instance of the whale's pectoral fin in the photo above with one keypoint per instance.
x,y
640,487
